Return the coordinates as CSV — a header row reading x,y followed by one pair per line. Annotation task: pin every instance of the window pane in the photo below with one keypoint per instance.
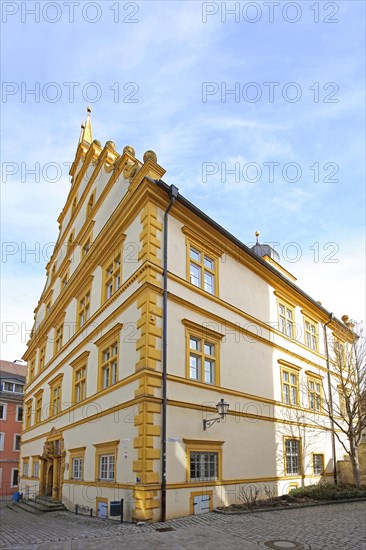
x,y
209,283
194,367
208,263
194,254
195,275
209,348
195,343
209,371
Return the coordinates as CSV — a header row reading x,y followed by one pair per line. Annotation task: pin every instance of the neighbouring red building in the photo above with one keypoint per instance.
x,y
12,381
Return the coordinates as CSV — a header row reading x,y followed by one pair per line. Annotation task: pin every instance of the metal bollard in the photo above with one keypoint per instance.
x,y
121,510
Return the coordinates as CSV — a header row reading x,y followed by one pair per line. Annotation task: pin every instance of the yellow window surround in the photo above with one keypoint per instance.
x,y
56,395
108,363
90,204
76,453
38,409
203,446
112,272
202,353
32,368
41,357
315,391
80,370
292,456
202,262
290,384
107,449
311,333
28,413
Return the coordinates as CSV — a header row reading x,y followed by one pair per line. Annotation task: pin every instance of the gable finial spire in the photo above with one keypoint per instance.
x,y
257,237
86,129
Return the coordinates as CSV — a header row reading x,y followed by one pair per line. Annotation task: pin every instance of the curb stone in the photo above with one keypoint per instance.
x,y
290,507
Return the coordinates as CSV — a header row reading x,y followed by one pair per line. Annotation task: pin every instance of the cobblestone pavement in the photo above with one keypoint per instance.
x,y
331,527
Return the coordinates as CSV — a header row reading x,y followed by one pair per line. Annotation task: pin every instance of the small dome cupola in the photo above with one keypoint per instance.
x,y
265,250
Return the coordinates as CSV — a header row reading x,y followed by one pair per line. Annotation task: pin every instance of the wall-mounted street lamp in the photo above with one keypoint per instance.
x,y
222,408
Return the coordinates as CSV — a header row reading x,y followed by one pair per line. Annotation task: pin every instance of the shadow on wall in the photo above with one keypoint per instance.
x,y
345,474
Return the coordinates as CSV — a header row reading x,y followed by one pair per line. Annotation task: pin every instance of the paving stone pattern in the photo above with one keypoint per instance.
x,y
331,527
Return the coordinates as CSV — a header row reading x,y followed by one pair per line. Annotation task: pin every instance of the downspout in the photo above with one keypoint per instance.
x,y
335,476
173,195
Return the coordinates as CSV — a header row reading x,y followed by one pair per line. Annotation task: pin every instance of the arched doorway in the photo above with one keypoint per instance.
x,y
49,481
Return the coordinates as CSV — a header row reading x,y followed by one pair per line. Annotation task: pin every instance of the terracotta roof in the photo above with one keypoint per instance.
x,y
12,368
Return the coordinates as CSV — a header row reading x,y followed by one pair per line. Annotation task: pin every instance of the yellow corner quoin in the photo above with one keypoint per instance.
x,y
237,328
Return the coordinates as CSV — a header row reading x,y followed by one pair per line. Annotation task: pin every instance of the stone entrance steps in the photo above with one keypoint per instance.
x,y
41,505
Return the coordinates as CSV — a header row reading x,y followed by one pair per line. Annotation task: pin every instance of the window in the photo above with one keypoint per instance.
x,y
311,335
73,206
19,413
42,357
84,309
2,411
90,204
290,386
59,330
25,467
32,368
38,416
77,462
77,468
342,402
204,459
292,457
318,464
286,319
28,414
109,366
56,390
80,383
202,270
16,442
14,477
106,467
108,357
113,276
2,439
86,246
202,353
48,305
13,387
315,393
36,467
204,466
105,461
70,242
64,280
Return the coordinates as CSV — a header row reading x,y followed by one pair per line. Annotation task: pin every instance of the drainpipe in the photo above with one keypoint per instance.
x,y
335,476
173,196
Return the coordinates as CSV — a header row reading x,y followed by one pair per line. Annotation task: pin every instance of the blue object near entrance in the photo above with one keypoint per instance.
x,y
17,497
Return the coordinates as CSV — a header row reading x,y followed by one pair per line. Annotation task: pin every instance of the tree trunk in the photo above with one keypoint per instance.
x,y
355,465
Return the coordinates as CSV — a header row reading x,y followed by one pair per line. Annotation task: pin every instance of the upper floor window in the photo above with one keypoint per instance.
x,y
42,358
108,357
202,270
113,276
38,416
84,309
290,386
56,394
87,246
315,393
286,319
28,414
19,417
32,368
311,334
12,387
90,205
80,383
16,442
2,411
73,206
202,362
59,331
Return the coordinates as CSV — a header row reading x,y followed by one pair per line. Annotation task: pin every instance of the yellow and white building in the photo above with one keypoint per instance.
x,y
124,363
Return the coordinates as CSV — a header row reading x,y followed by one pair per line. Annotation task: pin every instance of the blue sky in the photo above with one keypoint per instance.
x,y
161,61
